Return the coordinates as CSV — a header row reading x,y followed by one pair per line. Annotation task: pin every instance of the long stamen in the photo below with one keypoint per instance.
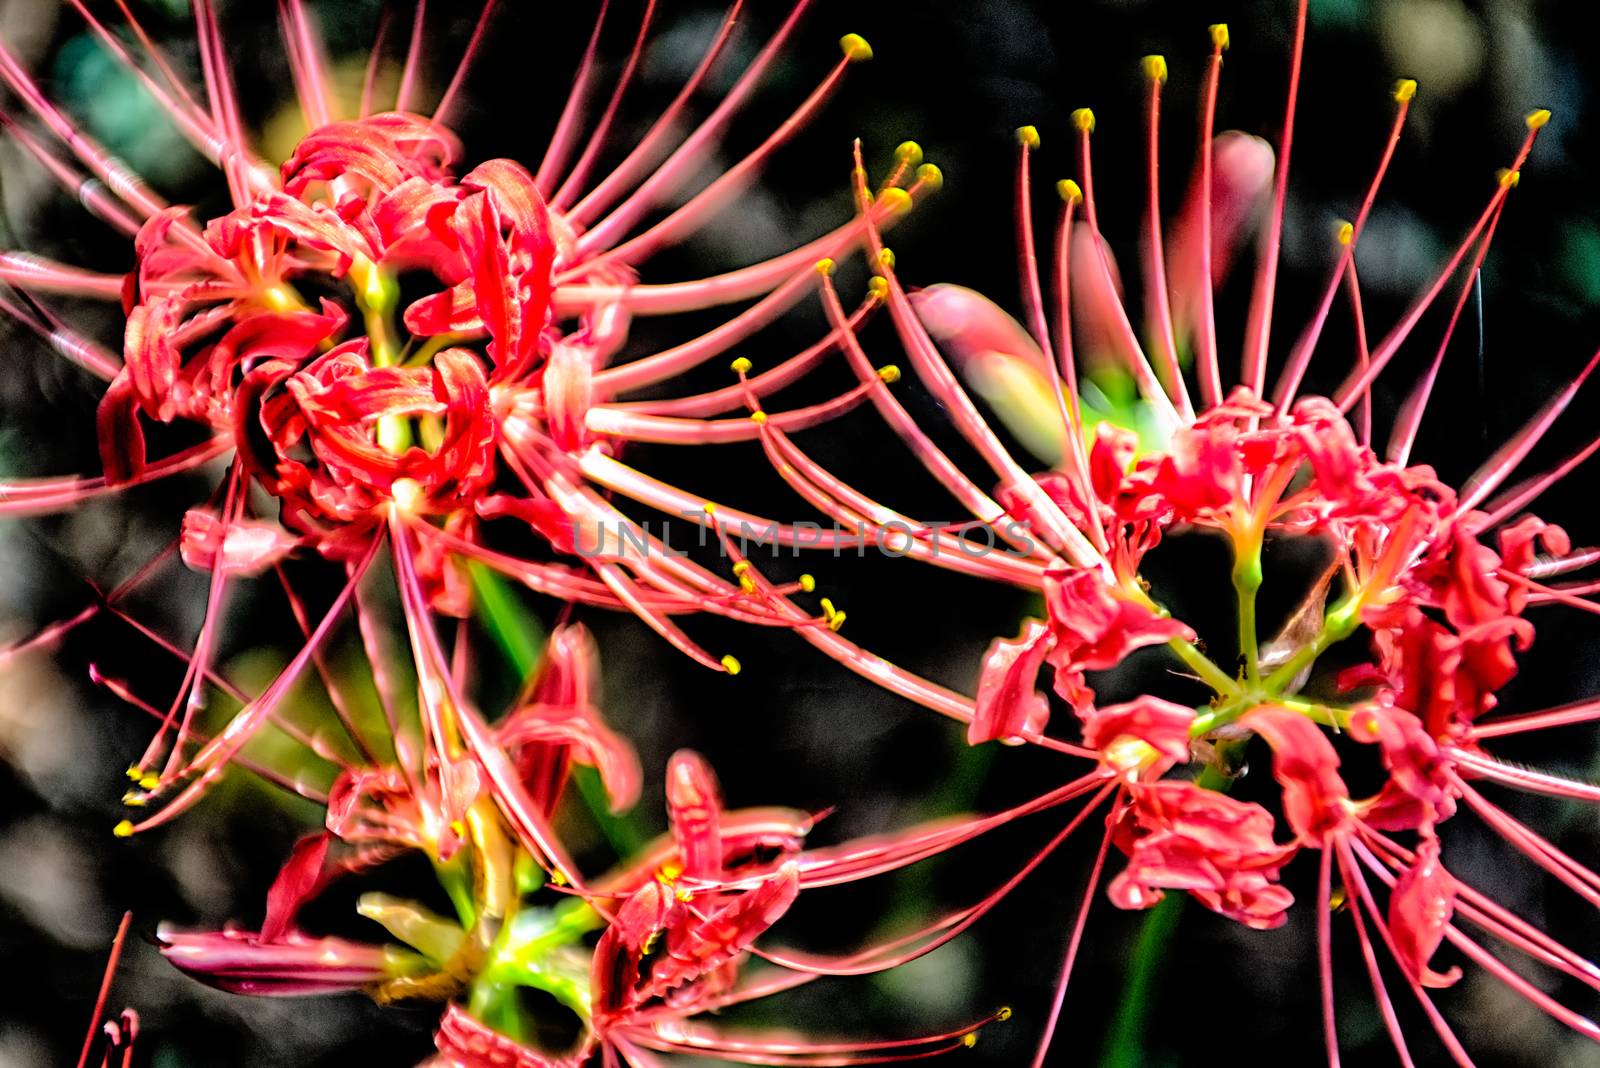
x,y
597,135
1072,947
1033,297
726,188
1300,358
639,158
687,158
443,114
1259,326
105,987
1208,362
1133,355
1404,434
1346,395
1155,69
408,74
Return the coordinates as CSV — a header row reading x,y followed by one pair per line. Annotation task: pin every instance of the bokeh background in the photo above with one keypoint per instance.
x,y
958,76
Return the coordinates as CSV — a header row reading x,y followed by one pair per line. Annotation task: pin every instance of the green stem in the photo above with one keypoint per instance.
x,y
1339,624
1246,584
521,640
1203,666
1126,1046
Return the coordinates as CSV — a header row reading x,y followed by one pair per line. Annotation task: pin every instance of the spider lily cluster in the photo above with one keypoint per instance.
x,y
357,425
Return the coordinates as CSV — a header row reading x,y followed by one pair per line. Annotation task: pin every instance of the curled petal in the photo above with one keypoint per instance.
x,y
1009,702
694,807
1419,911
1145,736
240,547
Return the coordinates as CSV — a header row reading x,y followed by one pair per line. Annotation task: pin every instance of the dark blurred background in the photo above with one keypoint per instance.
x,y
958,76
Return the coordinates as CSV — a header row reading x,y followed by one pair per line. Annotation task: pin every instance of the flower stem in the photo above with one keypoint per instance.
x,y
1126,1046
1246,584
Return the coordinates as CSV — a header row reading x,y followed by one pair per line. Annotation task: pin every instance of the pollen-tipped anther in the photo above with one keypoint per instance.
x,y
1509,178
740,366
731,665
1083,119
909,153
1028,136
886,258
825,266
878,286
1404,90
808,583
889,373
1155,68
1070,191
1219,35
1537,118
855,48
758,417
930,175
123,829
1345,233
895,200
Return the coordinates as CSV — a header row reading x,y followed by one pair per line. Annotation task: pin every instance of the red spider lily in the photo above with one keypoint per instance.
x,y
1441,608
495,396
678,925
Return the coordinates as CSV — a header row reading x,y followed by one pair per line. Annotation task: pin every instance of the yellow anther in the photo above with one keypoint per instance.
x,y
889,373
931,176
1219,35
741,567
557,879
837,621
855,48
1069,191
684,895
969,1039
1083,119
1336,899
741,366
708,508
878,286
808,583
747,585
1028,136
758,417
1537,118
731,664
150,781
1509,179
670,871
1003,1014
123,829
1155,68
828,610
135,773
896,201
825,265
1404,90
831,615
1346,232
886,257
909,153
134,799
